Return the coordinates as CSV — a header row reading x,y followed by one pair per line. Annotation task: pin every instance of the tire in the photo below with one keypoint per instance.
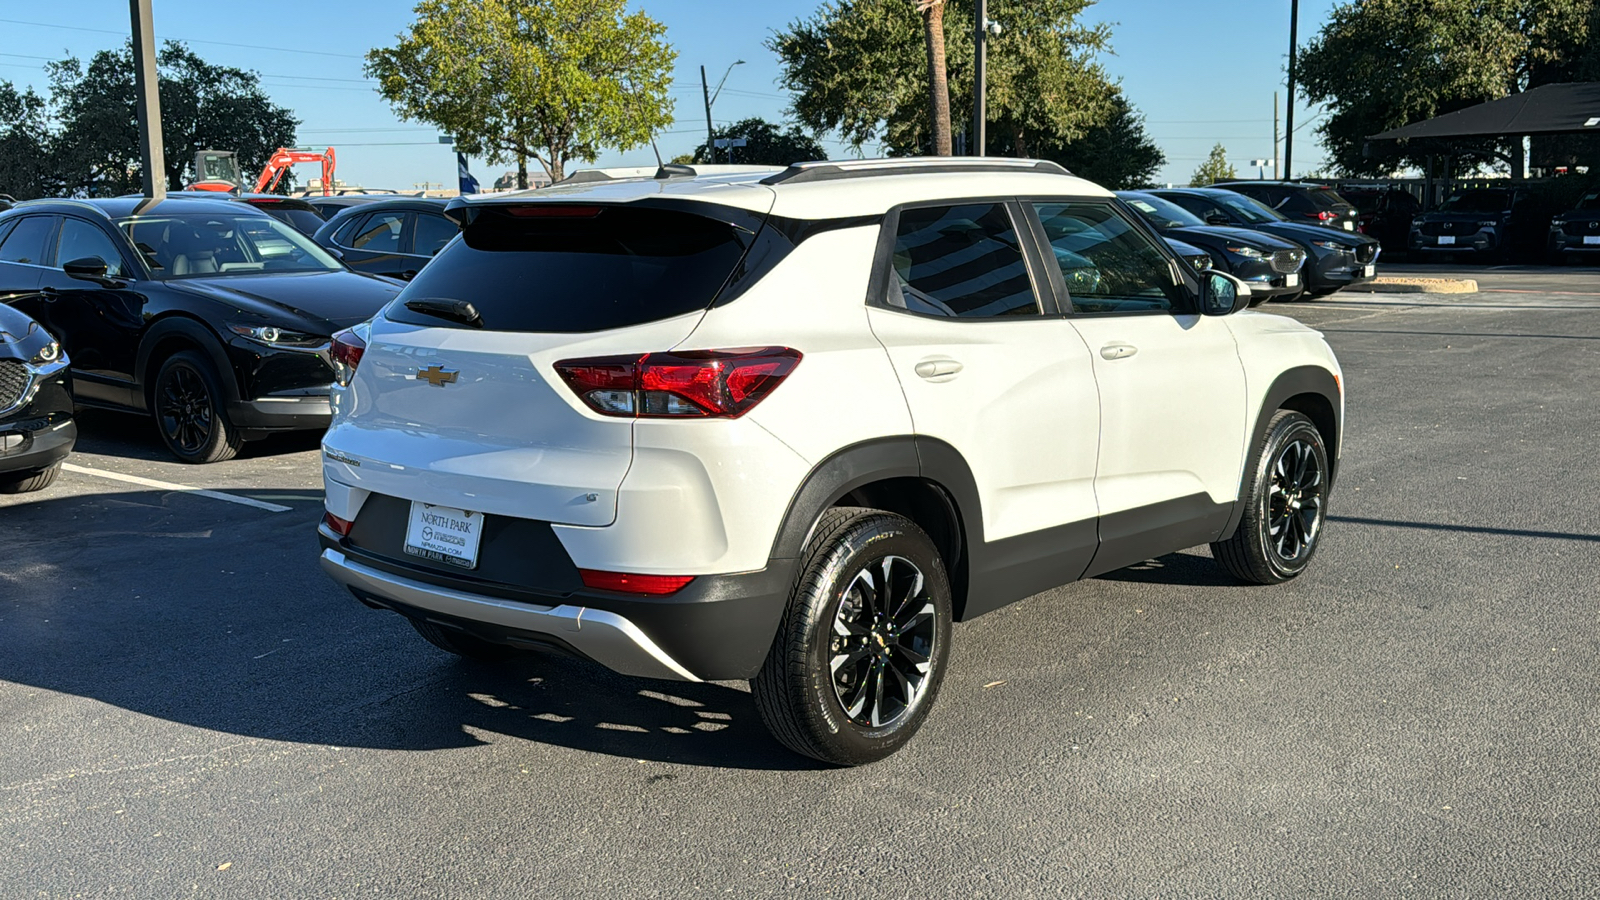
x,y
27,482
464,645
871,705
1286,504
191,416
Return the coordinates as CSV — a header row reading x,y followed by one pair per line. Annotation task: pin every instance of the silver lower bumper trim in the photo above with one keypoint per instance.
x,y
605,637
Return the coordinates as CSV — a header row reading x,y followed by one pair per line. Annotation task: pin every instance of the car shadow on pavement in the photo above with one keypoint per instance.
x,y
132,436
218,617
1174,568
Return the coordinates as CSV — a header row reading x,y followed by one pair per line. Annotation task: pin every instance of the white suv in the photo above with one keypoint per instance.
x,y
787,424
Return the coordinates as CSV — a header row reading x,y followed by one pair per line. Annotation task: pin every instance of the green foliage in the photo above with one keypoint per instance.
x,y
1381,64
554,80
1216,168
765,145
86,138
26,170
860,67
1115,154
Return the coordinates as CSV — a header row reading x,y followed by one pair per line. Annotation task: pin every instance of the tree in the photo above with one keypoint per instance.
x,y
1381,64
765,145
1115,154
1216,168
938,84
26,170
96,139
851,66
551,80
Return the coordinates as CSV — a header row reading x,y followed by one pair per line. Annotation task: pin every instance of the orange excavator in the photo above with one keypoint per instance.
x,y
218,170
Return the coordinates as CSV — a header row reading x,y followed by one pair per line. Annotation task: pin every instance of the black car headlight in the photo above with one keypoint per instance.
x,y
47,354
274,336
1246,252
1334,246
1489,223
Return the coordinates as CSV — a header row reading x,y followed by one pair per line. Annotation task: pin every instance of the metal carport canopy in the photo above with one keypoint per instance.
x,y
1570,108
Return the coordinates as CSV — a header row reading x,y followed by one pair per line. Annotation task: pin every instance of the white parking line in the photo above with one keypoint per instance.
x,y
169,486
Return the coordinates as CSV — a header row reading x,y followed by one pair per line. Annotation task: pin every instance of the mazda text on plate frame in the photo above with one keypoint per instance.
x,y
795,429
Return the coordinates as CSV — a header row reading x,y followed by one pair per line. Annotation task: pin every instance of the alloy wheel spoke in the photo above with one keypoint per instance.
x,y
877,697
848,658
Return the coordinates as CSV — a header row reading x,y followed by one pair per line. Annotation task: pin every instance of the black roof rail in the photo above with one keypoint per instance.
x,y
804,173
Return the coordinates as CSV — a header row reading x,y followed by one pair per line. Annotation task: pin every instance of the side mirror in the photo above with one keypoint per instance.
x,y
1222,294
90,268
1215,219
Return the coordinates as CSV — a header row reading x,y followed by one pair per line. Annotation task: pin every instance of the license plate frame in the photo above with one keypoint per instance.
x,y
1370,270
1590,240
1291,280
1446,240
444,534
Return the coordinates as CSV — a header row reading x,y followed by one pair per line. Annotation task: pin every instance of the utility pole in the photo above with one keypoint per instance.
x,y
1288,113
1277,137
980,112
705,90
147,102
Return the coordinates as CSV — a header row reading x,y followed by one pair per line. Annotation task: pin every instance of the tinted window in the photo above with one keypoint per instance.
x,y
5,229
1161,212
1109,265
341,235
1251,211
80,240
302,220
607,267
1592,201
379,233
433,232
1479,201
28,241
960,261
1295,203
1326,198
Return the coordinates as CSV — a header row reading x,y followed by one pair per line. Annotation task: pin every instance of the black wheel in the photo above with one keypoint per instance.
x,y
190,413
860,653
1287,502
464,645
26,482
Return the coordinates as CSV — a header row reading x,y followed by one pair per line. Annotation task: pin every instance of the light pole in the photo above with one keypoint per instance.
x,y
980,105
148,102
711,97
1288,120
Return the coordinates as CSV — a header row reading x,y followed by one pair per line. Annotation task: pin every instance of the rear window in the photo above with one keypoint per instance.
x,y
596,269
302,220
1326,198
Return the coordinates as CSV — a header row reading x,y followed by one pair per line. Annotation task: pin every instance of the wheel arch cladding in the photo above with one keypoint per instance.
x,y
896,475
171,334
1310,390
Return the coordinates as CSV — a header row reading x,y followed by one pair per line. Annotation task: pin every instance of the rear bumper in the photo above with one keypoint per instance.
x,y
719,627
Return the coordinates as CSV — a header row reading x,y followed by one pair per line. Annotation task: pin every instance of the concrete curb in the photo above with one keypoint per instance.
x,y
1417,286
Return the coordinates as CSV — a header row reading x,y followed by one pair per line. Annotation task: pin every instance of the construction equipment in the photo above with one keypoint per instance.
x,y
218,170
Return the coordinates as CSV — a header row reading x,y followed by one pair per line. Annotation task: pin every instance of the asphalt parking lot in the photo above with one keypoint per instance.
x,y
189,708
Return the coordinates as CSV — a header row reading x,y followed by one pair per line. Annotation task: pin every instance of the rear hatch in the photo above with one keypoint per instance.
x,y
469,412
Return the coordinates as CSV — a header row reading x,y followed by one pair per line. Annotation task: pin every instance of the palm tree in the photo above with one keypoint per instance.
x,y
938,85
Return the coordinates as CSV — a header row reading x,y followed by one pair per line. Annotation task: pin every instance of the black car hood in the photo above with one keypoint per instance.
x,y
1442,216
340,299
1297,232
20,336
1580,215
1257,239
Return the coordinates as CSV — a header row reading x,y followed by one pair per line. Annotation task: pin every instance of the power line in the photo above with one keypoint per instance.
x,y
185,40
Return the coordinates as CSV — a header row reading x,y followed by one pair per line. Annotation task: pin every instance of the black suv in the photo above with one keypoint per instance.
x,y
1270,265
1576,232
389,237
36,427
210,315
1316,204
1384,213
1487,223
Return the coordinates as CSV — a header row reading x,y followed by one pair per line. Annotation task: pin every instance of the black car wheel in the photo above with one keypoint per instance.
x,y
189,411
861,650
1286,504
27,482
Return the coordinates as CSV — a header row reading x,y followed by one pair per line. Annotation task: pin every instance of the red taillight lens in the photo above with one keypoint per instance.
x,y
1325,216
694,384
346,351
628,583
339,526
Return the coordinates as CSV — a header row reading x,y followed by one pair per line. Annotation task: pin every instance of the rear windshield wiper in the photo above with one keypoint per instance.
x,y
456,310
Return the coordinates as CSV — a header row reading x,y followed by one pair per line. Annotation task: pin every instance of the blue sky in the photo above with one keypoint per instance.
x,y
1202,73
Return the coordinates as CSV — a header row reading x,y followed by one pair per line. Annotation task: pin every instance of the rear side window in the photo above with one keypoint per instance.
x,y
1327,198
591,269
433,232
960,261
380,233
28,241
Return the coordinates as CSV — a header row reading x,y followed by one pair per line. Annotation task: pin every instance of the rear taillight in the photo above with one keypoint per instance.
x,y
1323,216
694,384
338,526
346,352
629,583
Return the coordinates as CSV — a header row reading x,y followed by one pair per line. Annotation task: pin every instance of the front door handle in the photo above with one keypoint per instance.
x,y
938,369
1118,351
49,293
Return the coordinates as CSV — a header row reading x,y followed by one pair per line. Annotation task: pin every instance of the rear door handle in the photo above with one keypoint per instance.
x,y
938,369
1118,351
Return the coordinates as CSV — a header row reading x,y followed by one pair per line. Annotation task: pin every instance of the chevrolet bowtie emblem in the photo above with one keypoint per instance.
x,y
437,376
